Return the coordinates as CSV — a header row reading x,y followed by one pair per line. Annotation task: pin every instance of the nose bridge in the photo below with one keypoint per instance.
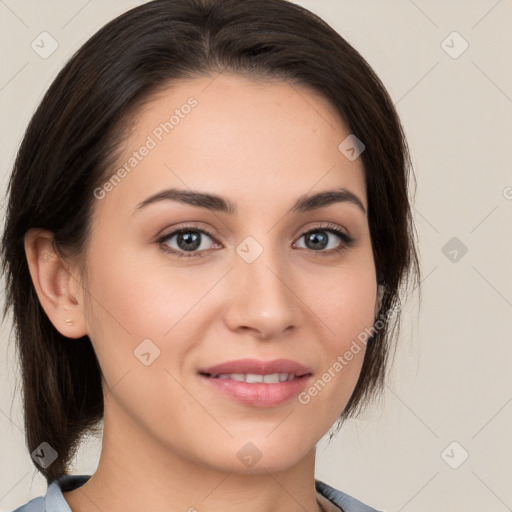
x,y
262,297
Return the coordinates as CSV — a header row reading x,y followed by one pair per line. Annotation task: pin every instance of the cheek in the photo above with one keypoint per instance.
x,y
344,299
344,305
133,300
141,297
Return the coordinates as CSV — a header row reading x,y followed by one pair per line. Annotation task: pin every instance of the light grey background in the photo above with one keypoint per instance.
x,y
451,381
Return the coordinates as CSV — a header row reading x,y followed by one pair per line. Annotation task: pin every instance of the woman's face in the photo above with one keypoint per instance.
x,y
243,284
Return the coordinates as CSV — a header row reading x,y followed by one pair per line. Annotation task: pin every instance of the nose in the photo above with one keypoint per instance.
x,y
262,298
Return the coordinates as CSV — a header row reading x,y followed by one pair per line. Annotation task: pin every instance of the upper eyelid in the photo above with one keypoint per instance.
x,y
328,227
175,231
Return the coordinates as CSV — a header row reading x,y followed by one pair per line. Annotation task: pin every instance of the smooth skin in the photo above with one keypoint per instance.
x,y
170,440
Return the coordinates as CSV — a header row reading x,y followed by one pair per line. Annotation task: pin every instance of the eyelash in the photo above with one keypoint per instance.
x,y
347,240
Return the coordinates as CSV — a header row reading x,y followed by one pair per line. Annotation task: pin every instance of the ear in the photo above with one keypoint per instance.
x,y
58,290
378,302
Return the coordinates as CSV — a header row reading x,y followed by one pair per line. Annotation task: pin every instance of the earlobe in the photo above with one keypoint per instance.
x,y
54,284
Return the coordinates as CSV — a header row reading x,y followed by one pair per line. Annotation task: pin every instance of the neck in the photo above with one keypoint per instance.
x,y
130,474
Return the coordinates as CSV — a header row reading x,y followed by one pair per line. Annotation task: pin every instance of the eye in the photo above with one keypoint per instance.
x,y
320,237
189,239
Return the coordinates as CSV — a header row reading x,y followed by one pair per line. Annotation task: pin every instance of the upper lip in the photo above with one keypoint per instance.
x,y
258,367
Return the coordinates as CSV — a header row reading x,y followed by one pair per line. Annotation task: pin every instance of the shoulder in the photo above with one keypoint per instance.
x,y
53,500
345,501
34,505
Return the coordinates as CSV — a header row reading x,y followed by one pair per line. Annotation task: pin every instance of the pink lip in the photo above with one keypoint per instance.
x,y
258,367
258,394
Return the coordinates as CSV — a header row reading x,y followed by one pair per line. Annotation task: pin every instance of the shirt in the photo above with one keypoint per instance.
x,y
54,501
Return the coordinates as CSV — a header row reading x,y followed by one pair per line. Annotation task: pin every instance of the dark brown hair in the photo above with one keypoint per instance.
x,y
70,147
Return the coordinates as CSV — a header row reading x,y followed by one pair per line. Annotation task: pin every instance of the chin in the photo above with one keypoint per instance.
x,y
258,454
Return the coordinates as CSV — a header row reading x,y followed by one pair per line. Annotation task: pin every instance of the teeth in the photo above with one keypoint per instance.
x,y
250,378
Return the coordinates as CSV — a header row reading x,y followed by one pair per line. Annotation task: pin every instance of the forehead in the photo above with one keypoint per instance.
x,y
251,141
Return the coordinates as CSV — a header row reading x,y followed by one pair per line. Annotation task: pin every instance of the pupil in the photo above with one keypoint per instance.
x,y
318,241
191,241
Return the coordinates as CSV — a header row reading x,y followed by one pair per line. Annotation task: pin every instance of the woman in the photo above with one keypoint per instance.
x,y
207,233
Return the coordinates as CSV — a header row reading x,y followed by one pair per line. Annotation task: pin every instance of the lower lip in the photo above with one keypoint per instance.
x,y
259,394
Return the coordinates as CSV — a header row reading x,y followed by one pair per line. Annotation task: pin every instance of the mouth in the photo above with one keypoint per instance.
x,y
257,383
277,370
251,378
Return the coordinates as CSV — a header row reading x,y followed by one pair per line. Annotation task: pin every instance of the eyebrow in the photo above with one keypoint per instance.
x,y
217,203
